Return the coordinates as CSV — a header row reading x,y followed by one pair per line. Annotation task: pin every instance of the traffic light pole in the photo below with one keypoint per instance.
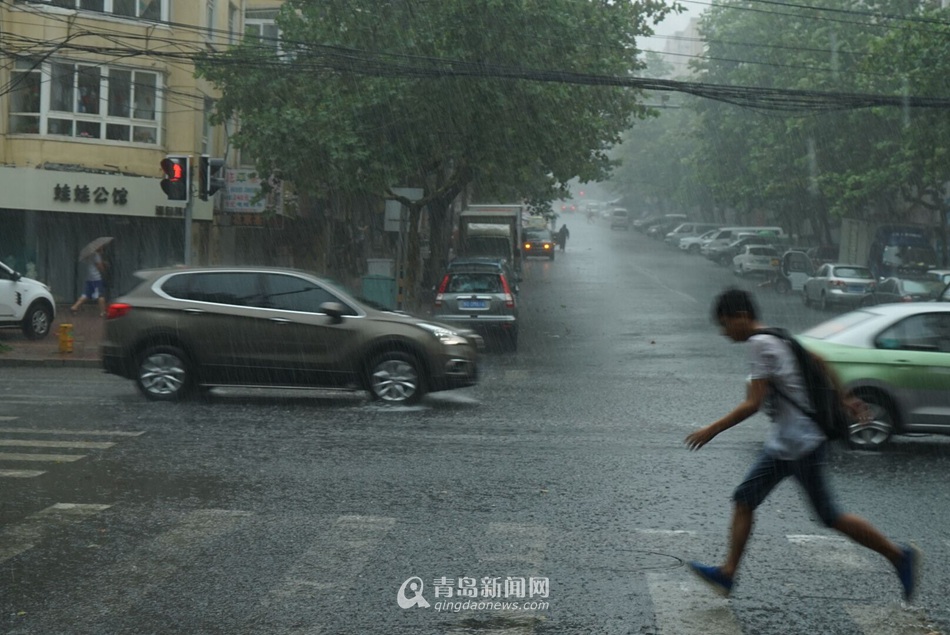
x,y
188,224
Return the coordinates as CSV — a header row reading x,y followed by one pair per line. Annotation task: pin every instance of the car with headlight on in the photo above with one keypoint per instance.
x,y
836,284
537,243
895,358
188,327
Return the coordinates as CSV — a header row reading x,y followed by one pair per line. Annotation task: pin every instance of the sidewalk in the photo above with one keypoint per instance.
x,y
88,329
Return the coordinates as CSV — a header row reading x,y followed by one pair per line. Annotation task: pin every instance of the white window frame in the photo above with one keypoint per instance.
x,y
142,131
258,23
108,7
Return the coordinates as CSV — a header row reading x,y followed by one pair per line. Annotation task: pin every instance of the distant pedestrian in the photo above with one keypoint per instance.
x,y
795,447
94,287
562,235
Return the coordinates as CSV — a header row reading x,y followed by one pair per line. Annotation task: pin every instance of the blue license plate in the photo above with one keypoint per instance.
x,y
473,304
855,288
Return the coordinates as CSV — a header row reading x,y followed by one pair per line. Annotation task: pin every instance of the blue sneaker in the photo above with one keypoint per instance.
x,y
714,577
908,570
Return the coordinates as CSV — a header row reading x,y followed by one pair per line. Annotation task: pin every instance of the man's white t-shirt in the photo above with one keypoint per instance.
x,y
93,262
793,434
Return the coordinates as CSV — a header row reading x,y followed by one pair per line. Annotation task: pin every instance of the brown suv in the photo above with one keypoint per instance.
x,y
186,327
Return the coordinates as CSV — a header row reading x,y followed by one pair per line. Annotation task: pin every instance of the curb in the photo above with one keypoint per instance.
x,y
49,363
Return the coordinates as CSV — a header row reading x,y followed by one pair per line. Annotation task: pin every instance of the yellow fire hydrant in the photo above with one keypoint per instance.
x,y
65,338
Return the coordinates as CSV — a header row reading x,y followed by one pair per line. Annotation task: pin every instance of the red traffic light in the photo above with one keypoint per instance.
x,y
176,182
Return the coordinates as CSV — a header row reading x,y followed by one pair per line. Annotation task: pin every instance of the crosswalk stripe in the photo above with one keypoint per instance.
x,y
114,433
8,418
20,473
339,553
683,604
833,551
333,562
122,585
54,458
889,619
31,443
523,545
22,536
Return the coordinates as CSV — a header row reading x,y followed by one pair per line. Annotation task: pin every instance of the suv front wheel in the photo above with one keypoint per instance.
x,y
163,373
37,321
395,377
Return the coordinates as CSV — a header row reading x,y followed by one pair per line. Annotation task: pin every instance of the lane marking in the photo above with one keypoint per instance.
x,y
17,538
20,473
31,443
115,433
55,458
890,619
832,551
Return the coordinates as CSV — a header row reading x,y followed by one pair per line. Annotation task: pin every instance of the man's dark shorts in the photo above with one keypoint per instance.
x,y
768,471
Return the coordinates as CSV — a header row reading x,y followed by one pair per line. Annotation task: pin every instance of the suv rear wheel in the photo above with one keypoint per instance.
x,y
163,373
395,377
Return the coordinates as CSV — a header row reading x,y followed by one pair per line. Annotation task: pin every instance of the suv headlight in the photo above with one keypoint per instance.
x,y
444,335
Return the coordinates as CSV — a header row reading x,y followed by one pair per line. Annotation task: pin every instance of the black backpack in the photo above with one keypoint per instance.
x,y
829,412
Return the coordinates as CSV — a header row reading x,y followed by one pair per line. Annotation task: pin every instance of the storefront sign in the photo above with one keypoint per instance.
x,y
84,194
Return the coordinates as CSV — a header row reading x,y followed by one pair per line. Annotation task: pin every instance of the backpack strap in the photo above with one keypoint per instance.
x,y
784,335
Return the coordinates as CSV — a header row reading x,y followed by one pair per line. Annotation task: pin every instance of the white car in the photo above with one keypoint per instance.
x,y
755,259
694,244
25,303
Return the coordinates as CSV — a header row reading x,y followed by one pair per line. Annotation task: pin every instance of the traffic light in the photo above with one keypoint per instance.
x,y
177,180
210,176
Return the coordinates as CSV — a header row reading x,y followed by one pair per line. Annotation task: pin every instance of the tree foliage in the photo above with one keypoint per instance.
x,y
323,117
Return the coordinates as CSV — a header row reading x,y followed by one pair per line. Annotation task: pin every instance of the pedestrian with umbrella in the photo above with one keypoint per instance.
x,y
94,287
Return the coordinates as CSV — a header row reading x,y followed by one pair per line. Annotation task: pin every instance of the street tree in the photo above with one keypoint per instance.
x,y
363,96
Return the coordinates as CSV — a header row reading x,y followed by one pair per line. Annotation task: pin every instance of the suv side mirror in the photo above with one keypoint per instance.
x,y
335,310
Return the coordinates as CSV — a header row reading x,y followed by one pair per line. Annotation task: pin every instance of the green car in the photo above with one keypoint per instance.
x,y
896,358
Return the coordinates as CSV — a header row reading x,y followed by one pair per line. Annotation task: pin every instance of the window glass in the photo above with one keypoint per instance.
x,y
124,7
145,88
924,332
853,272
88,86
92,5
177,286
61,87
120,92
150,9
290,293
475,283
234,288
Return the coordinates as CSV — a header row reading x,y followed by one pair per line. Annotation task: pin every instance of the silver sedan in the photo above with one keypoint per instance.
x,y
838,283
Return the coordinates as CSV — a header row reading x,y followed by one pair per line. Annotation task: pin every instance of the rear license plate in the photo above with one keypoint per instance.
x,y
855,288
473,304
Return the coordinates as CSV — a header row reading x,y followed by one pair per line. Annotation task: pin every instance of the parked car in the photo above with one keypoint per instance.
x,y
620,219
724,253
942,275
903,290
694,244
538,242
480,300
659,230
181,328
26,304
794,269
644,224
896,358
756,259
837,283
488,263
686,230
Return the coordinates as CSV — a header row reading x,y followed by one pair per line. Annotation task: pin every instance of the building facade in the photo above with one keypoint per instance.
x,y
95,94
